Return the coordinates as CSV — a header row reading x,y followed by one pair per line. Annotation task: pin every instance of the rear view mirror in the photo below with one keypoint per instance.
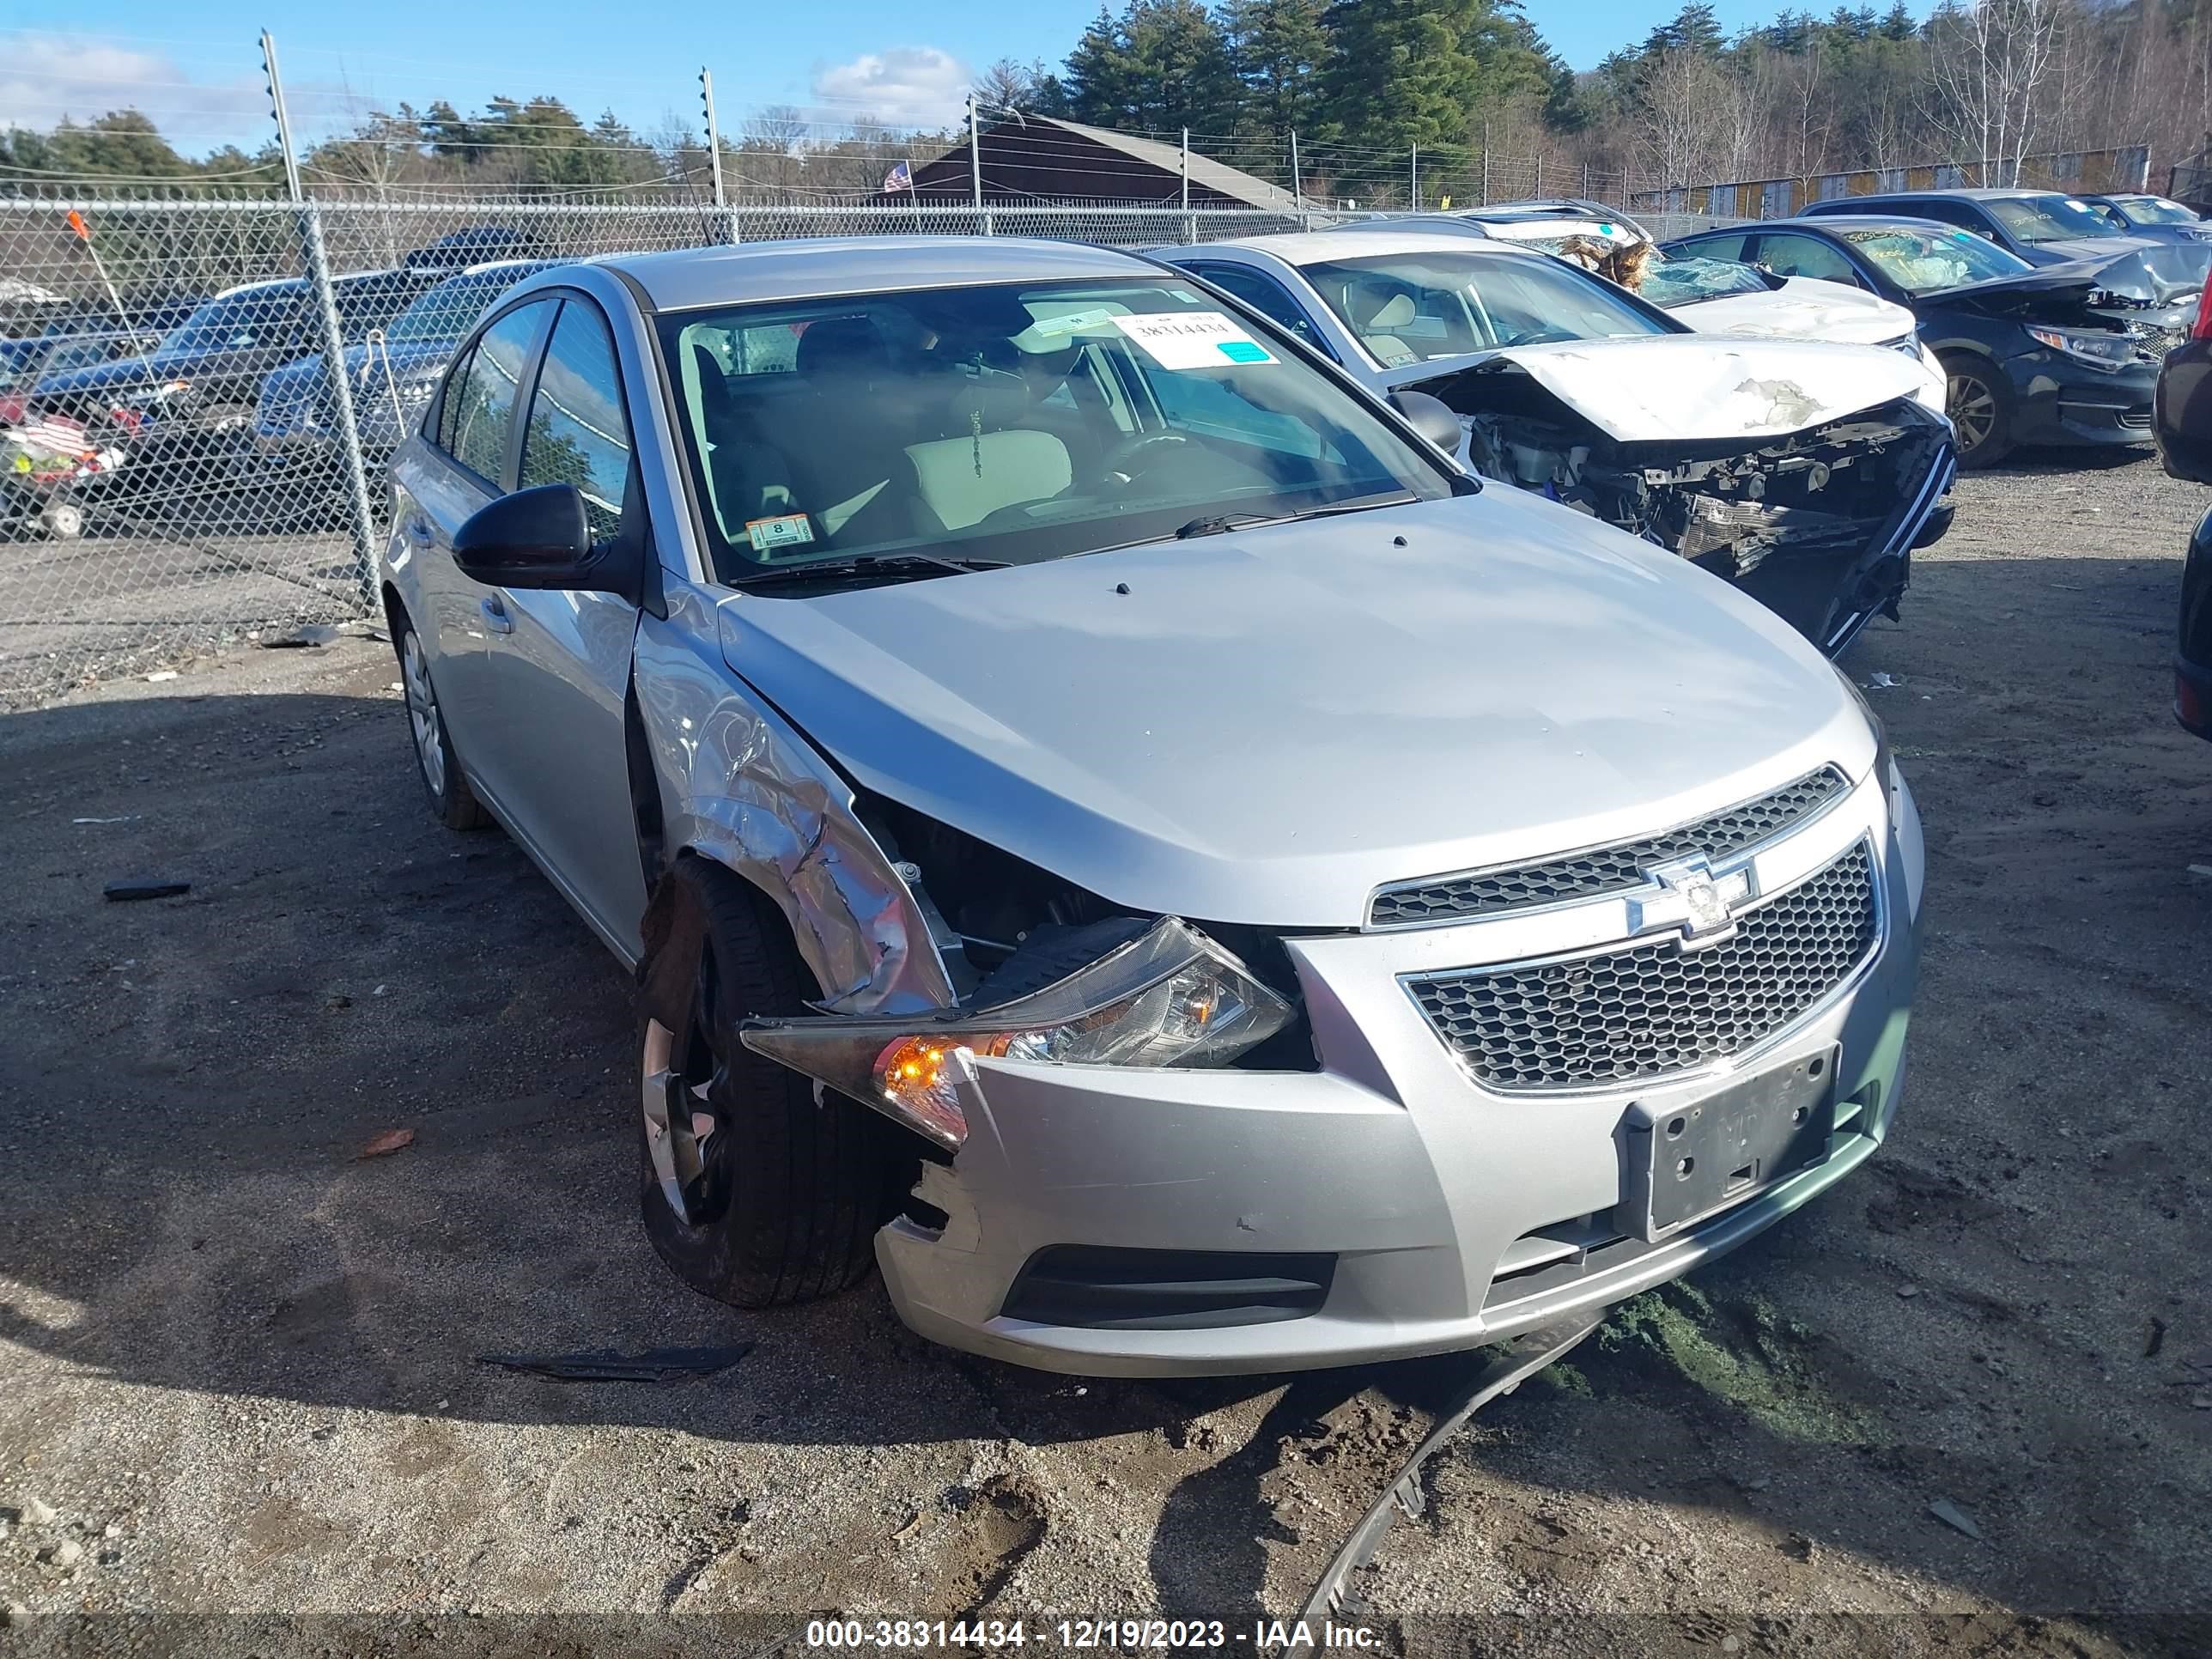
x,y
1431,417
542,539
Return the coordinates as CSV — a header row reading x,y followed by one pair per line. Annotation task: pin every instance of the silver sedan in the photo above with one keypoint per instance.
x,y
1115,830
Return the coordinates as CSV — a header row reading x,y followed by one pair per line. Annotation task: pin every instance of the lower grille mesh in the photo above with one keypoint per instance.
x,y
1639,1012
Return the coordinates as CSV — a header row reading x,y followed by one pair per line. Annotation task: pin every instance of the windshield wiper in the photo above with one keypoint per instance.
x,y
1215,523
871,564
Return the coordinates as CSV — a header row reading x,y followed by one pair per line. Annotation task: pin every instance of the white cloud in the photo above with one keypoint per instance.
x,y
46,77
905,86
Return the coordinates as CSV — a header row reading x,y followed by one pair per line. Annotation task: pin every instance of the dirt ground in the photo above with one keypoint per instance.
x,y
238,1384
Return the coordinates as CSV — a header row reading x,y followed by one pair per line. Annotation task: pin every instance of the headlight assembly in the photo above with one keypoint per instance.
x,y
2097,348
1169,997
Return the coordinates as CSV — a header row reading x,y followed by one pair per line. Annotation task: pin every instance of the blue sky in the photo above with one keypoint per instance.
x,y
195,69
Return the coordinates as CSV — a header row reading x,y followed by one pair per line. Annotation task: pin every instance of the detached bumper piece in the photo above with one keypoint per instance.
x,y
1111,1290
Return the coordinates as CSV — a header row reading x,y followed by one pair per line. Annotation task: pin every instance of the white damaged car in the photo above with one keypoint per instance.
x,y
1117,830
1806,471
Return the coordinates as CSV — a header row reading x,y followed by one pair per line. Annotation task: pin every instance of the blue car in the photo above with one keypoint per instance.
x,y
295,428
2161,218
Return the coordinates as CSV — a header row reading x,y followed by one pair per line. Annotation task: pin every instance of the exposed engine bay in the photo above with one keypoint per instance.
x,y
1819,524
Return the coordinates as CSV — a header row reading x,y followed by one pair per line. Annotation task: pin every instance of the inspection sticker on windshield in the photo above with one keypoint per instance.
x,y
1193,339
791,530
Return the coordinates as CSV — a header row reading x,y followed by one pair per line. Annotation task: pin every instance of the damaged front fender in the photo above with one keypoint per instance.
x,y
743,787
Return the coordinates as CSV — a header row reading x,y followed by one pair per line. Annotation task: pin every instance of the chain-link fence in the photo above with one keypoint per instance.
x,y
175,470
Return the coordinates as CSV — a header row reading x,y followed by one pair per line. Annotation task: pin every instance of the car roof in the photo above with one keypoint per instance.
x,y
1316,246
1961,192
826,266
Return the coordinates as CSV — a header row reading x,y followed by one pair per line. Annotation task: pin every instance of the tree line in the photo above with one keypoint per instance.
x,y
1361,82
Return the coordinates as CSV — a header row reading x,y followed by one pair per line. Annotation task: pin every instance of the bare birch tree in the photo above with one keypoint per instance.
x,y
1987,60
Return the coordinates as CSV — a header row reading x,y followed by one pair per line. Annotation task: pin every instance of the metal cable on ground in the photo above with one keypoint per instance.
x,y
1507,1366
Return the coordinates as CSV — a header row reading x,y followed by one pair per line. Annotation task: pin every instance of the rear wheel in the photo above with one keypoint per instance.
x,y
1979,404
62,520
452,800
753,1191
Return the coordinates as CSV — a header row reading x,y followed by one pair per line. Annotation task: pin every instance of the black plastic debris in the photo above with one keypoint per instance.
x,y
312,633
605,1365
144,887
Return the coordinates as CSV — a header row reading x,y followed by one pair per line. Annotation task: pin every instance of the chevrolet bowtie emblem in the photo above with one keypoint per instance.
x,y
1692,897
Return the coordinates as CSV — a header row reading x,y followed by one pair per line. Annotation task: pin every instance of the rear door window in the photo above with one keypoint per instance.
x,y
1722,245
486,418
1264,294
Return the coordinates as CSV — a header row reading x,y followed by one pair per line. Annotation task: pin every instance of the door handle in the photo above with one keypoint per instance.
x,y
495,617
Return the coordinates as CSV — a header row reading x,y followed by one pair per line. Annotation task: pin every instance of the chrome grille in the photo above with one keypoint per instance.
x,y
1582,1022
1605,869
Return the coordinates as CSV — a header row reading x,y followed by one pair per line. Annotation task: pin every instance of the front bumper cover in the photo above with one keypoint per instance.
x,y
1454,1216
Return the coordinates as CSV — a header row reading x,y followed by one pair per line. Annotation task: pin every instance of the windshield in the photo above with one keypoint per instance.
x,y
1929,261
1010,424
447,310
1414,307
242,322
2047,218
2153,210
1683,279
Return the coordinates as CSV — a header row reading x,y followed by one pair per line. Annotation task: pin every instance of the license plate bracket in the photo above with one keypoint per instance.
x,y
1686,1162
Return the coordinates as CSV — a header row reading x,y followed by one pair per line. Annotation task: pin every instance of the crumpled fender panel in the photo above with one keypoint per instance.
x,y
740,786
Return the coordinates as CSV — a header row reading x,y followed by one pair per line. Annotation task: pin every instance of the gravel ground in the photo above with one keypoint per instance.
x,y
238,1393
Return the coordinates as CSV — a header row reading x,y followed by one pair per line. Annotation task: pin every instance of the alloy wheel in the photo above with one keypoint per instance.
x,y
1972,407
423,713
676,1091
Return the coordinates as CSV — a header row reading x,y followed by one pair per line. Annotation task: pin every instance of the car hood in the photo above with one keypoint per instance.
x,y
1265,726
362,362
1802,308
2062,292
121,374
1699,388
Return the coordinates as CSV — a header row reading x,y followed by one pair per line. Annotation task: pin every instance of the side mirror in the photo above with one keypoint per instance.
x,y
1430,417
542,538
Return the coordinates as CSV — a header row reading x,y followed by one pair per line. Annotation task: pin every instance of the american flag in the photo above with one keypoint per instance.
x,y
55,435
898,178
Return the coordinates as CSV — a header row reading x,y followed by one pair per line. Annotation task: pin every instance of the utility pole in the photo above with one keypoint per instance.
x,y
1186,169
318,261
1417,178
714,154
1486,164
1298,190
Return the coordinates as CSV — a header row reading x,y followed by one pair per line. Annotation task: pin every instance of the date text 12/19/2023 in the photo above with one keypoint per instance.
x,y
1126,1635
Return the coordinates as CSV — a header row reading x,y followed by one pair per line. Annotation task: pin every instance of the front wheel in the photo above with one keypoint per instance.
x,y
1979,404
754,1190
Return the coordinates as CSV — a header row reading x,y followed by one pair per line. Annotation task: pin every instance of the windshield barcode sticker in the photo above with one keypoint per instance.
x,y
1193,339
791,530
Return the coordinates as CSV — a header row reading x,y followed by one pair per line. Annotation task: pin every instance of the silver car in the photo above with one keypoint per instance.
x,y
1114,830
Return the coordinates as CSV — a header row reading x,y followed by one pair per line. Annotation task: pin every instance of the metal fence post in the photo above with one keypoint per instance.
x,y
327,311
730,227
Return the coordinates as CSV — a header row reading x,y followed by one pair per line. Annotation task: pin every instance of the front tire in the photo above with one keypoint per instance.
x,y
752,1190
1979,403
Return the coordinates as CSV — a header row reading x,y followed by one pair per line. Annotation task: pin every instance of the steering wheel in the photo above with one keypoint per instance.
x,y
1129,458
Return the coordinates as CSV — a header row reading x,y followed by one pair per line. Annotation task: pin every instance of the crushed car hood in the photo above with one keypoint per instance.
x,y
1802,308
1700,388
2129,287
1269,723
